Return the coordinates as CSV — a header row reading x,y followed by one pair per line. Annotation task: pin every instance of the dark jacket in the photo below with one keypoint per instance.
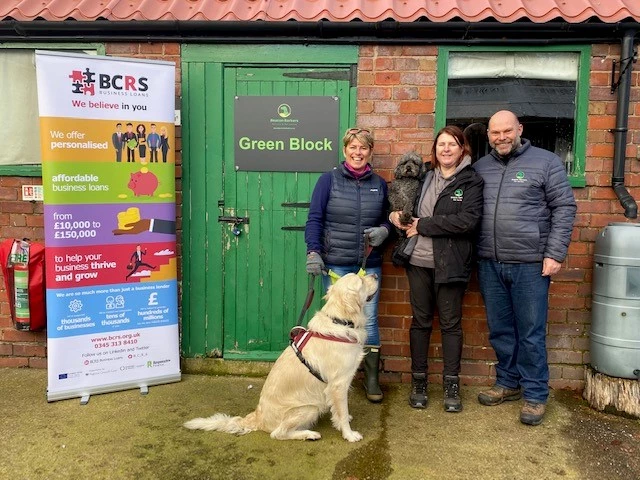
x,y
453,226
529,207
342,207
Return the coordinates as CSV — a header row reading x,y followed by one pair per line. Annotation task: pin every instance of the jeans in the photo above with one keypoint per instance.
x,y
516,299
425,296
370,308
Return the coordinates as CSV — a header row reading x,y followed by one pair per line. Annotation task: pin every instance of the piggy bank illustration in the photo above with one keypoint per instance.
x,y
143,183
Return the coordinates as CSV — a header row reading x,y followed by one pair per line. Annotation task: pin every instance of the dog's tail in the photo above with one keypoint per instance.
x,y
222,422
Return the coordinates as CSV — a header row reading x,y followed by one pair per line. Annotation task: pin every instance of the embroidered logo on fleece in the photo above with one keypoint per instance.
x,y
519,178
458,195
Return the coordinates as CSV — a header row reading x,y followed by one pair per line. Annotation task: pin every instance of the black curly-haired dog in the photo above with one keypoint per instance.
x,y
404,188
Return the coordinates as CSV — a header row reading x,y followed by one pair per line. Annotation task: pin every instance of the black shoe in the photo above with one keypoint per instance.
x,y
452,400
418,397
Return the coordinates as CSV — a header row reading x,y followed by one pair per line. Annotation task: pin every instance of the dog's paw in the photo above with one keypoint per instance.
x,y
312,435
352,436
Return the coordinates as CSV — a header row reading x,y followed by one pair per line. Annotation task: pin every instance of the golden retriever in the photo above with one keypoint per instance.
x,y
292,398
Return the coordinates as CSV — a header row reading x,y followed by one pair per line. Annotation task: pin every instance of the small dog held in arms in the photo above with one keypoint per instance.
x,y
313,375
404,188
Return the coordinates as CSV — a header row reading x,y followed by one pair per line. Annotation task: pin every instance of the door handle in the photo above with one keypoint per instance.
x,y
234,220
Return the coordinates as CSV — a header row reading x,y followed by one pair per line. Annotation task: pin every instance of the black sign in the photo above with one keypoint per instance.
x,y
287,134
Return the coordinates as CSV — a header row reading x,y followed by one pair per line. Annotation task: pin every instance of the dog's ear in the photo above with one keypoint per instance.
x,y
423,170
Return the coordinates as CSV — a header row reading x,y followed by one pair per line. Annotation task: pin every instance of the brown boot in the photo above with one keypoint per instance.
x,y
532,413
497,394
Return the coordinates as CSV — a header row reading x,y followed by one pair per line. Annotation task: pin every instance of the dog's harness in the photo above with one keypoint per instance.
x,y
300,336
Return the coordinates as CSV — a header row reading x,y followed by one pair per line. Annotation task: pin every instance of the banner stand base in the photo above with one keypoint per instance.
x,y
85,393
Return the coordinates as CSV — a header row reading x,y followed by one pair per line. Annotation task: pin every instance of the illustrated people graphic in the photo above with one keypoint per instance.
x,y
117,140
141,134
153,142
164,143
136,261
131,142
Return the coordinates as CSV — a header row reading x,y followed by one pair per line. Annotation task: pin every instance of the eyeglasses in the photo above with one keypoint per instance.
x,y
355,131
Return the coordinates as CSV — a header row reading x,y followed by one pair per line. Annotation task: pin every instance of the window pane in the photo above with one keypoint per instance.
x,y
538,87
19,107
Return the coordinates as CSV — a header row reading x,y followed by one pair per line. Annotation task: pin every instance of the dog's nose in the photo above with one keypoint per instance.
x,y
375,275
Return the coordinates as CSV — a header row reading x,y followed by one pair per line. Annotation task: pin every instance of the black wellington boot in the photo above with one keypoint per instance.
x,y
371,371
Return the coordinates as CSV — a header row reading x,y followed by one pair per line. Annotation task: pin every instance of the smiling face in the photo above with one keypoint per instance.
x,y
357,154
504,132
448,151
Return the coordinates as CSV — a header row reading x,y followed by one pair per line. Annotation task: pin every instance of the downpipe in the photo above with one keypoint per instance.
x,y
627,56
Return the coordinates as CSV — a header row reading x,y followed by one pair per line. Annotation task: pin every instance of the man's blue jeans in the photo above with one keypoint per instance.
x,y
516,297
370,308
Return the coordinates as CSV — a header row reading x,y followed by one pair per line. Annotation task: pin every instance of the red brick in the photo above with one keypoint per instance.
x,y
8,193
427,93
420,50
475,369
556,342
383,63
14,362
570,329
388,50
418,106
16,207
22,350
417,78
601,122
405,93
122,48
374,93
6,349
564,356
387,78
172,49
573,373
151,48
562,384
38,362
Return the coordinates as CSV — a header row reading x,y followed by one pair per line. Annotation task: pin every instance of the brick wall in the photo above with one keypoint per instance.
x,y
396,98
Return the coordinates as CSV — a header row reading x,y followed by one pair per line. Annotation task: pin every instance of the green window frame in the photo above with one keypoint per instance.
x,y
36,170
577,175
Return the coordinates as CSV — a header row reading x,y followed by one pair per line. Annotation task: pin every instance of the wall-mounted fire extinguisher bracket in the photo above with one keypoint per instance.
x,y
22,264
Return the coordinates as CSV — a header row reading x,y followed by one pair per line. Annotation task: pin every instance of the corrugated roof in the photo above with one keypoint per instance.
x,y
539,11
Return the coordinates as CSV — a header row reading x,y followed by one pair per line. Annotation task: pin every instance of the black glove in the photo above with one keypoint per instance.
x,y
315,265
377,235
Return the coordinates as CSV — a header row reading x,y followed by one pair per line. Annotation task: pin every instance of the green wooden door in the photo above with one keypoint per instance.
x,y
265,282
243,292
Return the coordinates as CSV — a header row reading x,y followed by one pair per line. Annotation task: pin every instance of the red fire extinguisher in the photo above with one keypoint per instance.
x,y
23,269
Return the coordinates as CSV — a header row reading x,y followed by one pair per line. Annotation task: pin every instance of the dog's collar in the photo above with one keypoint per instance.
x,y
340,321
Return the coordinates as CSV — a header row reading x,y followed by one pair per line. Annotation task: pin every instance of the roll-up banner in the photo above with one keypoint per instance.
x,y
107,136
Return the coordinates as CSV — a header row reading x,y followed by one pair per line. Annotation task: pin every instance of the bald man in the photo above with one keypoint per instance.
x,y
525,232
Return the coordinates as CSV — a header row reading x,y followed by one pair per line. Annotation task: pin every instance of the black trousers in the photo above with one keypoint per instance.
x,y
425,296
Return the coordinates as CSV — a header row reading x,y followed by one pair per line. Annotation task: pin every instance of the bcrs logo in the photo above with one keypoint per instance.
x,y
84,82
